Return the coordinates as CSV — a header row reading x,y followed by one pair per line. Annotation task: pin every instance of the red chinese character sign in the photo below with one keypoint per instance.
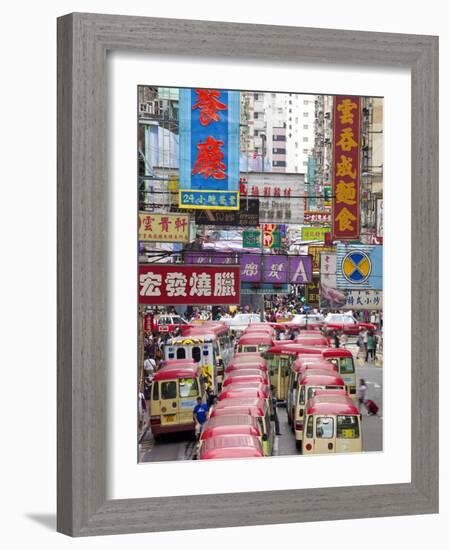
x,y
171,284
209,149
346,167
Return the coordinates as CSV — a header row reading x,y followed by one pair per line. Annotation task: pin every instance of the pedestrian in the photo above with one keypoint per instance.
x,y
149,366
360,342
362,389
200,415
336,339
209,396
364,334
370,353
275,415
343,339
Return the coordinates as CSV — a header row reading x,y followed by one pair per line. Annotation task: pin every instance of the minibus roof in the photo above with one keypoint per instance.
x,y
318,340
168,373
249,410
238,367
319,365
241,401
259,327
178,363
331,404
255,338
237,446
337,352
246,355
244,378
324,378
242,424
234,391
295,349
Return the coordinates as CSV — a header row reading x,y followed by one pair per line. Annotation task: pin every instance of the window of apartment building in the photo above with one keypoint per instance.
x,y
296,144
296,120
279,163
290,128
290,102
305,151
256,97
306,114
273,95
305,102
305,126
306,139
256,115
305,163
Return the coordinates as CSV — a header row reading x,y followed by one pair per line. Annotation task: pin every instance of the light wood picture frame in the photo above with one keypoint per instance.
x,y
83,42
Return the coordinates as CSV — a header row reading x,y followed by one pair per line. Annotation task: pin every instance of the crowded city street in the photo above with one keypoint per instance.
x,y
260,276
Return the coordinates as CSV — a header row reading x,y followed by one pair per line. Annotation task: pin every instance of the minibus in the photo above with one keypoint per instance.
x,y
253,406
240,424
245,389
307,385
173,396
252,365
254,342
240,377
343,359
332,425
233,446
298,368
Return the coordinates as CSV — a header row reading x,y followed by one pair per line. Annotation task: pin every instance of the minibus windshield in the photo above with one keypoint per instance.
x,y
188,387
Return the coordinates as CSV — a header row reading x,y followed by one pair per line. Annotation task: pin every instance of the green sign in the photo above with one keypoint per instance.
x,y
314,233
272,239
327,195
251,239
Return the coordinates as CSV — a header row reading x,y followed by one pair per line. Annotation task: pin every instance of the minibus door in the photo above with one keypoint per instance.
x,y
324,435
169,402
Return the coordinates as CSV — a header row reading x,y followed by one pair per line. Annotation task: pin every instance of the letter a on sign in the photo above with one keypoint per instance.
x,y
300,272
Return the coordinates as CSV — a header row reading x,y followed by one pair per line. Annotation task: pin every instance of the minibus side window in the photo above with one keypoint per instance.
x,y
188,387
347,365
324,427
309,427
155,391
302,395
181,353
347,427
311,392
169,390
250,349
196,354
268,424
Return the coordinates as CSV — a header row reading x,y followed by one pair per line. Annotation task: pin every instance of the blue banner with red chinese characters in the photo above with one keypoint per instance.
x,y
209,149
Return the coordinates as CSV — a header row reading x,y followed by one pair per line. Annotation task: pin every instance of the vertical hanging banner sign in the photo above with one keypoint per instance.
x,y
346,167
209,149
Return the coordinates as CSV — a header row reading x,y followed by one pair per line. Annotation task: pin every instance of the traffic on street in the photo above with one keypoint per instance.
x,y
260,274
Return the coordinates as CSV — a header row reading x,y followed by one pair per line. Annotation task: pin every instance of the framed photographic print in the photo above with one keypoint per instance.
x,y
242,328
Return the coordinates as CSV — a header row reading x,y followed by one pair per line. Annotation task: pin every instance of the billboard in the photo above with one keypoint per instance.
x,y
209,149
171,284
346,167
247,215
171,228
359,267
314,233
280,195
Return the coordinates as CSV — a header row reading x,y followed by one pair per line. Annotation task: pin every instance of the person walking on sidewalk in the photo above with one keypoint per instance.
x,y
362,390
370,354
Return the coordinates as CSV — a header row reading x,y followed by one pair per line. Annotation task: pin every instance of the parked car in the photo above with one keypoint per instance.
x,y
347,323
168,323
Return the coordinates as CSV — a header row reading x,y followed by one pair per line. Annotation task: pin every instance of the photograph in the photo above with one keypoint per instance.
x,y
259,219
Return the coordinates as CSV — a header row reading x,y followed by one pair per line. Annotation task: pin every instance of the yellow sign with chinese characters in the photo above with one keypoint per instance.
x,y
168,228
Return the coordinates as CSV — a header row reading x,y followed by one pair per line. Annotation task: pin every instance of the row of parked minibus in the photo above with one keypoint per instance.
x,y
315,382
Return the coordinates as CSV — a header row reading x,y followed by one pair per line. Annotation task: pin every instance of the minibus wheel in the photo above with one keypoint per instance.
x,y
298,445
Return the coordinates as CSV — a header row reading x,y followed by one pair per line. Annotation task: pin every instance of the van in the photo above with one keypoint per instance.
x,y
233,446
254,342
229,425
298,368
250,405
173,396
332,425
308,383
